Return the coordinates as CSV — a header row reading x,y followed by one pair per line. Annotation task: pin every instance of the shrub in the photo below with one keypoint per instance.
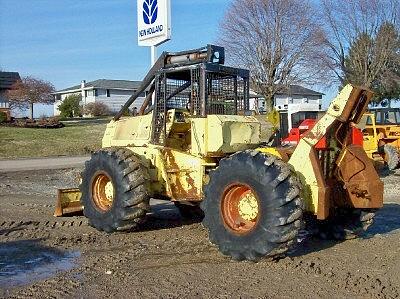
x,y
96,109
3,117
70,106
54,120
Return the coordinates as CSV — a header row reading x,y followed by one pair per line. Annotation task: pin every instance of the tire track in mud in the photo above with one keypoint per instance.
x,y
46,229
6,225
136,258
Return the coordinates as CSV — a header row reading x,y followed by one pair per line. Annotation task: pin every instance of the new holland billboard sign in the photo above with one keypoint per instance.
x,y
154,22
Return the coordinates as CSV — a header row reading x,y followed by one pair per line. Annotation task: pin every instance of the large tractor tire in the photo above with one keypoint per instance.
x,y
391,156
344,224
252,206
114,190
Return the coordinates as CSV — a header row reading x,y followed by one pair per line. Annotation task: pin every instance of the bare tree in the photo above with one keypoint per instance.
x,y
28,91
278,40
351,30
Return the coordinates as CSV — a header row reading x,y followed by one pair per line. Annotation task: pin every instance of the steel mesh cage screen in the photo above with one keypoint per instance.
x,y
225,95
199,92
195,100
158,130
175,98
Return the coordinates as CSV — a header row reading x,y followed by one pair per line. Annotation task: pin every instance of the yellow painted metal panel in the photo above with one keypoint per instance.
x,y
300,159
221,134
68,202
305,172
131,130
198,136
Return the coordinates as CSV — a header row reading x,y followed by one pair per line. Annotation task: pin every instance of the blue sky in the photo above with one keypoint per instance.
x,y
66,41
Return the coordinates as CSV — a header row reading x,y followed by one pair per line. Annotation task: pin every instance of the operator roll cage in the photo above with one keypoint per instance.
x,y
195,81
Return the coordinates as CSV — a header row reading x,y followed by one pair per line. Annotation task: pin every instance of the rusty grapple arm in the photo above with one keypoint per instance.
x,y
341,175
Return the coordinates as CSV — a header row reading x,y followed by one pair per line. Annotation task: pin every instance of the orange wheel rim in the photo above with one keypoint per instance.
x,y
102,191
240,208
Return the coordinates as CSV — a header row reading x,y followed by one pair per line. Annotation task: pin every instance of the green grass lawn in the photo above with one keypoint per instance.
x,y
76,138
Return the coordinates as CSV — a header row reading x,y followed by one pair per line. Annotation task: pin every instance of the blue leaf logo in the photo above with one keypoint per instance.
x,y
150,11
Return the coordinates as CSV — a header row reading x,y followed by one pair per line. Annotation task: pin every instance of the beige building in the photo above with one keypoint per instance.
x,y
113,93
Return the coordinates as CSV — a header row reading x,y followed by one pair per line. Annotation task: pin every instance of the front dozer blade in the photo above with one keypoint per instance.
x,y
68,202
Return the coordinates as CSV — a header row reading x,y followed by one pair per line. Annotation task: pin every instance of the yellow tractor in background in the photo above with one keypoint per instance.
x,y
195,143
381,134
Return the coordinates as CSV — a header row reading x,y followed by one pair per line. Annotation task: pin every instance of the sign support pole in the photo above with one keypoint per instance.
x,y
153,52
154,25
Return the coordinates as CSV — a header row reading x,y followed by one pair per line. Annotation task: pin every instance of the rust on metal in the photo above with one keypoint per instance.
x,y
285,152
102,191
361,181
68,202
180,177
356,105
323,190
239,220
147,100
193,191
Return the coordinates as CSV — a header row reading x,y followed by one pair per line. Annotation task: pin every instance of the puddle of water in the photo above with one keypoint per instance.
x,y
24,262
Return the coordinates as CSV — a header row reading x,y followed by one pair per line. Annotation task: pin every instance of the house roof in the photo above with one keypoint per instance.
x,y
300,90
106,84
7,79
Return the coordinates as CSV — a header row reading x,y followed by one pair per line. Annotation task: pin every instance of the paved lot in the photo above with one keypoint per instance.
x,y
42,163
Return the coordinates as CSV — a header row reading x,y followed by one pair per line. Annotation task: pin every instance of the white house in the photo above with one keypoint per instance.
x,y
294,105
296,95
113,93
298,103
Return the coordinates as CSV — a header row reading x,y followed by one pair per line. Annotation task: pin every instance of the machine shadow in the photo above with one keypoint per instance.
x,y
384,171
387,221
165,215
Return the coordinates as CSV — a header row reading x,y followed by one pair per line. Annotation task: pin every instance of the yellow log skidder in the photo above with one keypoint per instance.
x,y
196,142
381,135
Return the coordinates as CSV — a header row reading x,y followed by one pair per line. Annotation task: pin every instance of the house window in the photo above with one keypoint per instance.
x,y
96,93
108,93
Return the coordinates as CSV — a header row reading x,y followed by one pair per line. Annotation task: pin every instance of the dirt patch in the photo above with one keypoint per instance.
x,y
170,257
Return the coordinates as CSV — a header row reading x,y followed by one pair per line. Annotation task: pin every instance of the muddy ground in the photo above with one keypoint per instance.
x,y
43,256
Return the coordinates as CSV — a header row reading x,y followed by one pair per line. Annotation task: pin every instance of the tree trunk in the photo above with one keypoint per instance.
x,y
256,106
31,110
269,103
